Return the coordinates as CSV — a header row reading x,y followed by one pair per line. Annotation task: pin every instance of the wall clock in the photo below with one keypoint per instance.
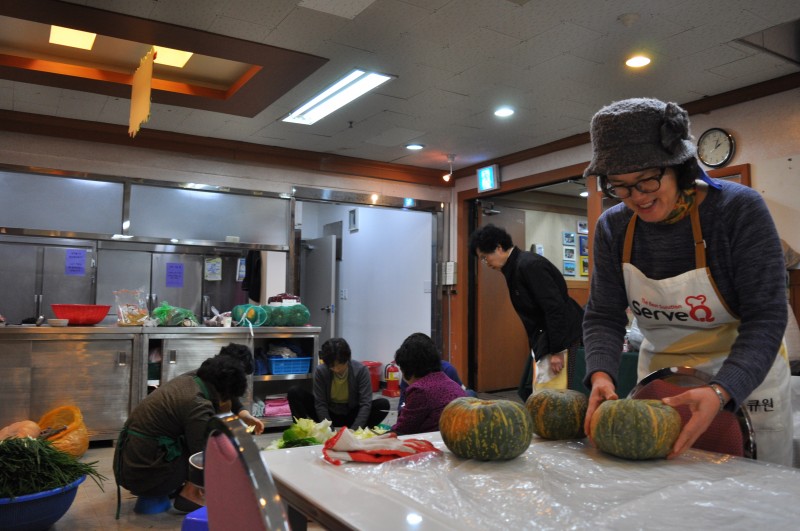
x,y
715,147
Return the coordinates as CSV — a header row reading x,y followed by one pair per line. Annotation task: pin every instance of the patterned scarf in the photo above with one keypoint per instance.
x,y
686,198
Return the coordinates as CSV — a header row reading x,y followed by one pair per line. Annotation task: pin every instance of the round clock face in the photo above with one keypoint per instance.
x,y
715,148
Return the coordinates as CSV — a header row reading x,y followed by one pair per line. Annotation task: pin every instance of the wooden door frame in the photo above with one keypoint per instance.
x,y
459,350
459,309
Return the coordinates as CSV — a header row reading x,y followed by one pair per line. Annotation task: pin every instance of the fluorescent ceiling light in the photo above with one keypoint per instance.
x,y
584,194
638,61
504,112
355,84
414,147
72,38
171,57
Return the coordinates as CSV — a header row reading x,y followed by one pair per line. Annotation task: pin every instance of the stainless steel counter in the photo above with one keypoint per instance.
x,y
104,369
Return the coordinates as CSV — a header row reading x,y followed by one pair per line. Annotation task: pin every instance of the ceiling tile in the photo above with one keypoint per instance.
x,y
557,61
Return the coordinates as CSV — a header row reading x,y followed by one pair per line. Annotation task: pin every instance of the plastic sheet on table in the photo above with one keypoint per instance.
x,y
571,485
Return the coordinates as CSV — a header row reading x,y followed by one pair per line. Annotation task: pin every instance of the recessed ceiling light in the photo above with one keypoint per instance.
x,y
504,112
350,87
414,147
171,57
73,38
638,61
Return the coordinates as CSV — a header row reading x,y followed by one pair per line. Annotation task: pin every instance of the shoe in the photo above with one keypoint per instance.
x,y
185,505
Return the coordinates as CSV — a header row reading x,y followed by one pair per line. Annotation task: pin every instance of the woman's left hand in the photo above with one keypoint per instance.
x,y
703,403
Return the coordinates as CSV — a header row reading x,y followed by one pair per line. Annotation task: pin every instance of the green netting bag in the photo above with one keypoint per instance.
x,y
298,315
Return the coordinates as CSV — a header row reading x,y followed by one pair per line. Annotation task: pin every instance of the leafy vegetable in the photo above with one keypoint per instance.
x,y
306,441
304,432
34,465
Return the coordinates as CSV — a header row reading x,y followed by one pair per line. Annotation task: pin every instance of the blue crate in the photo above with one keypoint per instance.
x,y
289,365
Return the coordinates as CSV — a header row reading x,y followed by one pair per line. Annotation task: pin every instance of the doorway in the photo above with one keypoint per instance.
x,y
539,219
383,283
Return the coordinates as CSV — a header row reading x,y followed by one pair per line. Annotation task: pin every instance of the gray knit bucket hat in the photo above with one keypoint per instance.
x,y
639,133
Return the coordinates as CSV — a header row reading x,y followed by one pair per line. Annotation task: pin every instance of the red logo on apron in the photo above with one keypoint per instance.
x,y
699,311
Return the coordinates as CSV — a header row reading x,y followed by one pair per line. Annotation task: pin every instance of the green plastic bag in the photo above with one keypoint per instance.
x,y
173,316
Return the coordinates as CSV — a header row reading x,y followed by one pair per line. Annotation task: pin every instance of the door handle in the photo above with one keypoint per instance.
x,y
122,358
330,309
172,356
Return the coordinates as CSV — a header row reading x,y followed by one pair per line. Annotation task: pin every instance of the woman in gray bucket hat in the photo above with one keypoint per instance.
x,y
699,263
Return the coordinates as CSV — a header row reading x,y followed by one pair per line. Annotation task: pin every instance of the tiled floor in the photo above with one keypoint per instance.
x,y
94,509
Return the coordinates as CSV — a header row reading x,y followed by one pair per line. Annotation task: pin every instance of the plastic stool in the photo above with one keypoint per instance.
x,y
152,504
196,521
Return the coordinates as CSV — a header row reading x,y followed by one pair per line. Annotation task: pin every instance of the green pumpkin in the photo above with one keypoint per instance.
x,y
635,429
487,430
298,315
557,413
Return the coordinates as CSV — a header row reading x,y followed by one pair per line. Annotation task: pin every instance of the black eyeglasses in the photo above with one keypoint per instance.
x,y
646,186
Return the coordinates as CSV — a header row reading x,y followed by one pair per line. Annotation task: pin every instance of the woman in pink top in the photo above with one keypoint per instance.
x,y
429,389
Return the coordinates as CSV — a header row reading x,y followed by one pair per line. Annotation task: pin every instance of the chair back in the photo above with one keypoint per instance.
x,y
239,490
729,432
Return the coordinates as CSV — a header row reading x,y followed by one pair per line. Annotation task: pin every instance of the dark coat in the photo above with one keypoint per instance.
x,y
538,291
178,410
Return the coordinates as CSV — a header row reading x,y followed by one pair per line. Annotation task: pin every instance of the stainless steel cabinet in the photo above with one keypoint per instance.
x,y
174,277
47,368
36,273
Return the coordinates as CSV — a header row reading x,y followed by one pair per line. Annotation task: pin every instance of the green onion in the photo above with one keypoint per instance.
x,y
28,466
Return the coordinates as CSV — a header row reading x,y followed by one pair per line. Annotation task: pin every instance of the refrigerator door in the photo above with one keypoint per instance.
x,y
121,269
68,277
225,293
18,293
178,280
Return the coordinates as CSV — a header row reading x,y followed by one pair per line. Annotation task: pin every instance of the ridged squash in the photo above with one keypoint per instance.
x,y
487,430
557,413
635,429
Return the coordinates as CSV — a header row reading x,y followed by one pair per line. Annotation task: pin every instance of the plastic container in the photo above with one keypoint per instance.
x,y
374,374
81,314
289,365
196,520
37,511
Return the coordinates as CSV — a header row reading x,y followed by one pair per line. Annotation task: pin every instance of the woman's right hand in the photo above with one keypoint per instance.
x,y
602,389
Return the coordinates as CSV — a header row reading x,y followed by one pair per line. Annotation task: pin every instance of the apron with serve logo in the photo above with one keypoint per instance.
x,y
686,322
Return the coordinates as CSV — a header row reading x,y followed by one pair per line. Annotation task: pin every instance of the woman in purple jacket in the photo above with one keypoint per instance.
x,y
429,389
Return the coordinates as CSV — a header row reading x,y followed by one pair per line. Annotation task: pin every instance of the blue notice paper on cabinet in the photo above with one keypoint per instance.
x,y
174,275
75,262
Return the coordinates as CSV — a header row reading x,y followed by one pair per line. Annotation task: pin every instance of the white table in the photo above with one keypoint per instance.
x,y
553,485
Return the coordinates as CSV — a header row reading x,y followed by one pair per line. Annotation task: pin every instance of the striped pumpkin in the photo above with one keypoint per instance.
x,y
487,430
635,429
557,413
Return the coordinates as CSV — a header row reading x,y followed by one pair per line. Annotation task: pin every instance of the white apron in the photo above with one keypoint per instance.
x,y
685,322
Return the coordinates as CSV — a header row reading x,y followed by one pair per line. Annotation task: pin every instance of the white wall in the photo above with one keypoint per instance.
x,y
385,271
